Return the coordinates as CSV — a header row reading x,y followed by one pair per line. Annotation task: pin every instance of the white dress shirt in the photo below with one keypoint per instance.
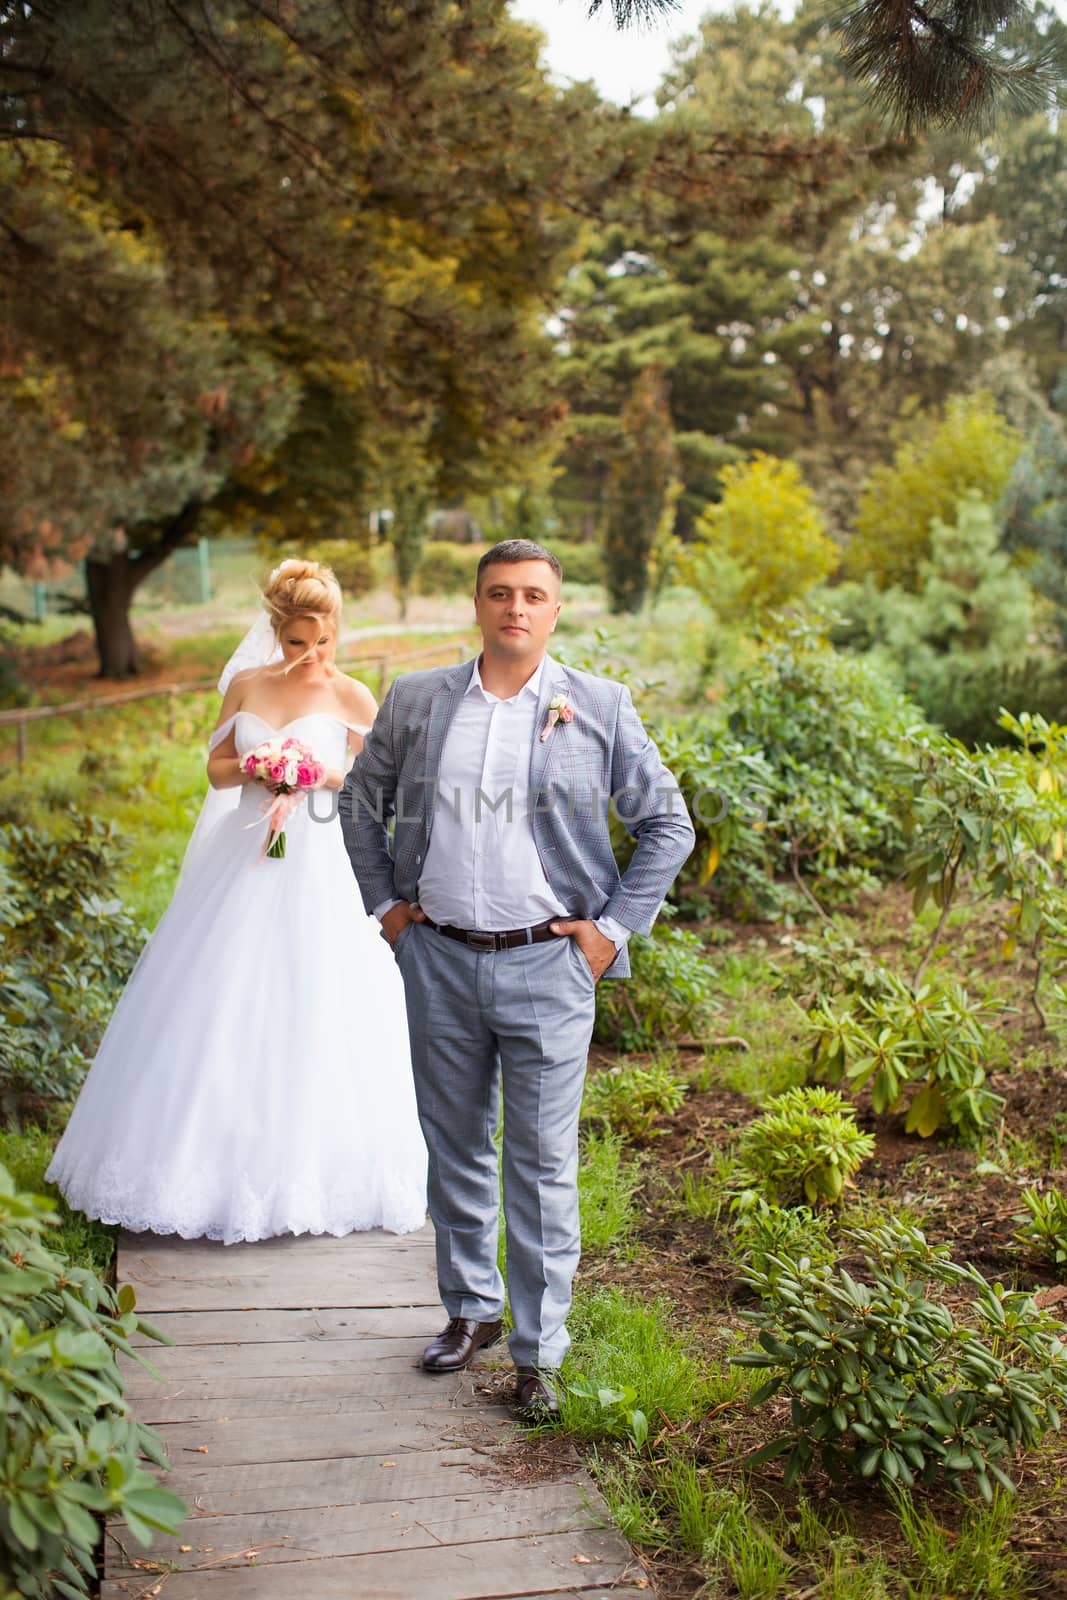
x,y
482,868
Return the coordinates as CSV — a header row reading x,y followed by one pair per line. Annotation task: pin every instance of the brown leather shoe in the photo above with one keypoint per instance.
x,y
460,1342
536,1400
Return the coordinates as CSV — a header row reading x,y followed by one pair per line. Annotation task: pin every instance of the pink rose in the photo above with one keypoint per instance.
x,y
305,775
277,771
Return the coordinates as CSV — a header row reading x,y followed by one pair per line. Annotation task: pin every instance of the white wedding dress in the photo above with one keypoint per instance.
x,y
255,1076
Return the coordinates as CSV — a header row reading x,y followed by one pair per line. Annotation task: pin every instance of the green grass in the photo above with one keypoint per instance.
x,y
670,1503
606,1185
620,1343
26,1155
976,1561
125,769
851,1574
700,1193
774,1060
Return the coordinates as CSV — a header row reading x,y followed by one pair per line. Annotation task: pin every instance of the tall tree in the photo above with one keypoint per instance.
x,y
640,482
244,243
952,63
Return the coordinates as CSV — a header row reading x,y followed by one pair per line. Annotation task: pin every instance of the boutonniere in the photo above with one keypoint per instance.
x,y
558,711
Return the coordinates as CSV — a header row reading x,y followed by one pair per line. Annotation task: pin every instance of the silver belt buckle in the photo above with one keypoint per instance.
x,y
481,941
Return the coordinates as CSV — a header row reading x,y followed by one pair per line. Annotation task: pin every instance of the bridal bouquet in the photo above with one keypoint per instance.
x,y
287,768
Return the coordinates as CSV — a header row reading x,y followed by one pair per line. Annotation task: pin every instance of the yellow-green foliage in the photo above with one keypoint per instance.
x,y
768,531
972,450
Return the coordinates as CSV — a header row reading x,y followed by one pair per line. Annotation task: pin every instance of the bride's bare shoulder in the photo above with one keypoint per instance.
x,y
238,690
359,704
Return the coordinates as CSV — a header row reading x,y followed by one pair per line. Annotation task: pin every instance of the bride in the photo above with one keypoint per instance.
x,y
254,1078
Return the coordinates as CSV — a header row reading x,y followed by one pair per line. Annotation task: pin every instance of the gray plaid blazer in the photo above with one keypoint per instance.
x,y
604,755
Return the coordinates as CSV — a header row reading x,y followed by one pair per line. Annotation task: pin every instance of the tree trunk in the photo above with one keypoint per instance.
x,y
111,585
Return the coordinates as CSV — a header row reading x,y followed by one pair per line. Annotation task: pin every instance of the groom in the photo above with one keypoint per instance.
x,y
503,904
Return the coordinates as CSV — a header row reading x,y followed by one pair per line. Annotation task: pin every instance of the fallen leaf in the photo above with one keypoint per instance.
x,y
583,1560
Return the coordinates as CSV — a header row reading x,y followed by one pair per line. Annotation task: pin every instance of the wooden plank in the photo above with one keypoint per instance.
x,y
318,1460
292,1361
288,1326
361,1529
349,1394
172,1244
220,1491
557,1564
288,1283
251,1439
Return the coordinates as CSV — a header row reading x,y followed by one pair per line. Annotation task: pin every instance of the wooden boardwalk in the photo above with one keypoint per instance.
x,y
319,1460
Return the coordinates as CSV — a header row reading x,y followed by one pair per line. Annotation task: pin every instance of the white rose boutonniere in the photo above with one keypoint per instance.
x,y
558,711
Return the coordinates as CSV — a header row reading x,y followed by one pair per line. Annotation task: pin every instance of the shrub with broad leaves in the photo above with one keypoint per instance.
x,y
670,994
888,1381
925,1050
632,1098
70,1453
805,1147
67,946
1044,1223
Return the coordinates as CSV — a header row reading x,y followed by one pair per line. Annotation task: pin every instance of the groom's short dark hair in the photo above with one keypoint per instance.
x,y
512,550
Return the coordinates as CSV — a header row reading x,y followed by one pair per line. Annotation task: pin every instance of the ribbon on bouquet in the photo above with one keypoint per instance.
x,y
276,813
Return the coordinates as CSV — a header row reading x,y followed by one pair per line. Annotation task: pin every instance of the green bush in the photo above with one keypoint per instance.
x,y
802,793
805,1146
925,1049
581,563
1044,1223
728,789
830,963
26,1154
348,559
837,738
14,690
959,644
68,946
968,696
69,1450
631,1098
762,1231
447,568
886,1381
670,994
995,817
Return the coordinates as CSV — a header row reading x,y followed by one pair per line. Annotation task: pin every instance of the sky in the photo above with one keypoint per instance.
x,y
624,65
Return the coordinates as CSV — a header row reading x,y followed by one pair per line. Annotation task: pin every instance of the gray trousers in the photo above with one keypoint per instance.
x,y
521,1018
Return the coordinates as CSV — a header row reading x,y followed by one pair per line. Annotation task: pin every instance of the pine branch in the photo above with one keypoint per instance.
x,y
636,13
939,62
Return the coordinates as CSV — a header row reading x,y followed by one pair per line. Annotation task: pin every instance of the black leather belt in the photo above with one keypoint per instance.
x,y
510,939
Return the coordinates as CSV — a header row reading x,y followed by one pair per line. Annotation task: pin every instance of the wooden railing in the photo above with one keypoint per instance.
x,y
21,716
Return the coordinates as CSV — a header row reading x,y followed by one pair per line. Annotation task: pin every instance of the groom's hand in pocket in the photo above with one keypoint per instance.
x,y
597,950
397,918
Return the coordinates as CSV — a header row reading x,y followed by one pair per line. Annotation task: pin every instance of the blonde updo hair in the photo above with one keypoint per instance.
x,y
299,589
